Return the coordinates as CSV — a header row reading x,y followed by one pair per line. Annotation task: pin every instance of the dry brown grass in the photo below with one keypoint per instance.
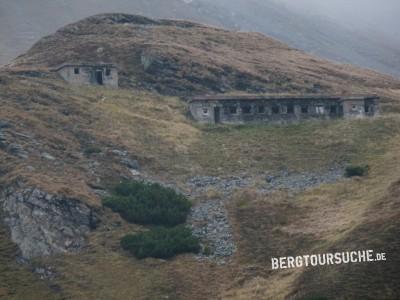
x,y
154,129
195,59
104,271
351,214
65,120
16,281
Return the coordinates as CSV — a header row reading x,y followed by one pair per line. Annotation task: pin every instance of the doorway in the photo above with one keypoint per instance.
x,y
99,77
217,115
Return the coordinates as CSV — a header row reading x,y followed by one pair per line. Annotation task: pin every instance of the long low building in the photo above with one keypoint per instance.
x,y
280,108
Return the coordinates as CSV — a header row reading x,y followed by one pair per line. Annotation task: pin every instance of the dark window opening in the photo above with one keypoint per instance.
x,y
246,109
290,109
275,109
108,72
205,111
333,109
99,77
233,109
261,109
76,70
304,109
367,109
217,115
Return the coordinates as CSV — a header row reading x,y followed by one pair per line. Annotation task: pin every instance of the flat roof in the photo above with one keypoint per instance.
x,y
101,65
254,97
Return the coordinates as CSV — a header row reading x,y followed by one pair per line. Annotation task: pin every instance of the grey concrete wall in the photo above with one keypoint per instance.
x,y
271,111
372,107
354,109
87,76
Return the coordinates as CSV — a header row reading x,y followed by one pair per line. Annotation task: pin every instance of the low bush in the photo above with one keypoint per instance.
x,y
353,171
316,298
161,242
145,203
91,150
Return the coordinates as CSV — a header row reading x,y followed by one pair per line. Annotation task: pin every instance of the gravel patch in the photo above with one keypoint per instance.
x,y
300,181
200,184
209,222
209,219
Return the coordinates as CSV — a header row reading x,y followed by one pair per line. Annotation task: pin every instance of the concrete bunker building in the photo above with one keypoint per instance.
x,y
280,108
89,74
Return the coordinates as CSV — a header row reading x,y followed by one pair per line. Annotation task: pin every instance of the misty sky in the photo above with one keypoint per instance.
x,y
379,15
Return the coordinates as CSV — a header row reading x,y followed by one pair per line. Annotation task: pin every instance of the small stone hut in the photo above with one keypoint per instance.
x,y
280,108
89,74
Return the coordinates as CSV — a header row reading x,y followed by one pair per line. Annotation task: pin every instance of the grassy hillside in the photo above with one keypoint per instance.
x,y
185,58
352,214
312,145
64,121
16,281
21,26
80,128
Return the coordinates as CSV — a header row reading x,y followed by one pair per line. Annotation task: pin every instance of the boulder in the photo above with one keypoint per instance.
x,y
43,224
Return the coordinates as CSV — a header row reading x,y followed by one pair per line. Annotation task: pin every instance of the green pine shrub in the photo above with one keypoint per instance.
x,y
148,203
355,170
161,242
316,298
91,150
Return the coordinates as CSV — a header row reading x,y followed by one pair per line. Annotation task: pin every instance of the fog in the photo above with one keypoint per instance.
x,y
369,16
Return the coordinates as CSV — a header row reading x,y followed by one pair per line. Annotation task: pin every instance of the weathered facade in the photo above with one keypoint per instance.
x,y
280,108
90,74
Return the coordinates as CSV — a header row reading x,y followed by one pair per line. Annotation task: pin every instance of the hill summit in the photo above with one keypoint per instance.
x,y
177,57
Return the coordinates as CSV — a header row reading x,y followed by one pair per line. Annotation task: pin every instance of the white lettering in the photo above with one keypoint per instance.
x,y
361,256
282,263
329,258
314,260
291,262
299,261
274,263
345,257
369,255
353,256
306,259
337,258
321,259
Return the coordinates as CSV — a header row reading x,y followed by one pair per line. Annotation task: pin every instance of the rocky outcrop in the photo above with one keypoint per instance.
x,y
42,224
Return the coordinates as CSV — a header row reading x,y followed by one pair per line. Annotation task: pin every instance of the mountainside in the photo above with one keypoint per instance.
x,y
264,191
23,22
314,34
184,58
